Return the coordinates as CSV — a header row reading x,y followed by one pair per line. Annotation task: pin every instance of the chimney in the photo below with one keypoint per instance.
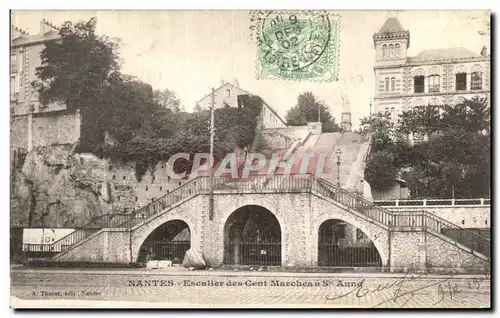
x,y
236,83
484,51
222,82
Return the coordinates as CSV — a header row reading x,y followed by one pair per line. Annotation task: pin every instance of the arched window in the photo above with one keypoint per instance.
x,y
393,84
386,84
434,83
384,50
228,93
476,81
391,50
397,49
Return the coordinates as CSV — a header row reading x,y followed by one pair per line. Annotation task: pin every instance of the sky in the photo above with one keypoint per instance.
x,y
190,52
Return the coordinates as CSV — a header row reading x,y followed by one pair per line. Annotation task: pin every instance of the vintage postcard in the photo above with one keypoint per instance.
x,y
250,159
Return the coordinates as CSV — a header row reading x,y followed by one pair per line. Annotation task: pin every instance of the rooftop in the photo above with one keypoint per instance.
x,y
391,25
443,54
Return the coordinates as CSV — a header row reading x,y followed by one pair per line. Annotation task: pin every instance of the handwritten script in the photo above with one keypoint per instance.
x,y
444,286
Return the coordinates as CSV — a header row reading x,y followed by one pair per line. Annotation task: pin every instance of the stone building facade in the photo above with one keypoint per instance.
x,y
432,77
227,96
31,124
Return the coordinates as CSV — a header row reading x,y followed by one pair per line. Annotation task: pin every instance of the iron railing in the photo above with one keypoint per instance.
x,y
422,219
436,224
158,250
252,253
276,183
431,202
348,256
353,201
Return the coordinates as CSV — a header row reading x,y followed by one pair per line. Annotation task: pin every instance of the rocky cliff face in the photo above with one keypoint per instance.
x,y
54,187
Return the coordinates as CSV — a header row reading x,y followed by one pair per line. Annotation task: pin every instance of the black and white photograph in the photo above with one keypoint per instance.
x,y
250,159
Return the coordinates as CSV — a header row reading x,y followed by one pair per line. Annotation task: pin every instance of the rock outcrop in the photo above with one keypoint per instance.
x,y
54,187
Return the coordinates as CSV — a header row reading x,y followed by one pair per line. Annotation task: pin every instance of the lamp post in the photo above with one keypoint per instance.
x,y
211,163
339,154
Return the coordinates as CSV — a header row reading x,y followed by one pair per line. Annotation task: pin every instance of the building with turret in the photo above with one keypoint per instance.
x,y
432,77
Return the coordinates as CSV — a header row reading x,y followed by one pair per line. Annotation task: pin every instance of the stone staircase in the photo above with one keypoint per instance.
x,y
391,221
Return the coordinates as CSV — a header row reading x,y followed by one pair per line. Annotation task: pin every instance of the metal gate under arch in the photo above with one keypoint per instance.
x,y
252,236
170,241
342,245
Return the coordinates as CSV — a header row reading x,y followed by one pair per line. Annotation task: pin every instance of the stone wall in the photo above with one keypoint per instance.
x,y
442,254
55,128
276,140
18,132
407,250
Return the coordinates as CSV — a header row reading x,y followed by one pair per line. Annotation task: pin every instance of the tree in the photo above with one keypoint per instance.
x,y
168,99
424,119
380,170
471,115
454,162
306,111
75,70
380,128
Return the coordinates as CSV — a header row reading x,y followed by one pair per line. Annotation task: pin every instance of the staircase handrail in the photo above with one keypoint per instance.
x,y
359,202
440,222
304,181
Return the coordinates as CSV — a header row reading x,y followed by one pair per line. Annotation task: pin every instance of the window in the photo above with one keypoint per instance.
x,y
393,84
386,84
476,81
391,50
418,84
228,93
397,49
461,81
384,50
13,68
434,84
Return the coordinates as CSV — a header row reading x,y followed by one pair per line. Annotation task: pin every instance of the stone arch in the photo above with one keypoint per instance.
x,y
169,241
278,205
476,68
418,72
434,71
252,235
460,69
341,244
376,234
141,233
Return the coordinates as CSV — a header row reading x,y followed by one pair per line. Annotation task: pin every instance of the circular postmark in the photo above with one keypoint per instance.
x,y
294,45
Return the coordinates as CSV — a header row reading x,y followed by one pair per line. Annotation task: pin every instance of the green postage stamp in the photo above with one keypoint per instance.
x,y
296,45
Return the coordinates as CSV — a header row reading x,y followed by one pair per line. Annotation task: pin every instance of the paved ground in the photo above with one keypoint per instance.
x,y
176,288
